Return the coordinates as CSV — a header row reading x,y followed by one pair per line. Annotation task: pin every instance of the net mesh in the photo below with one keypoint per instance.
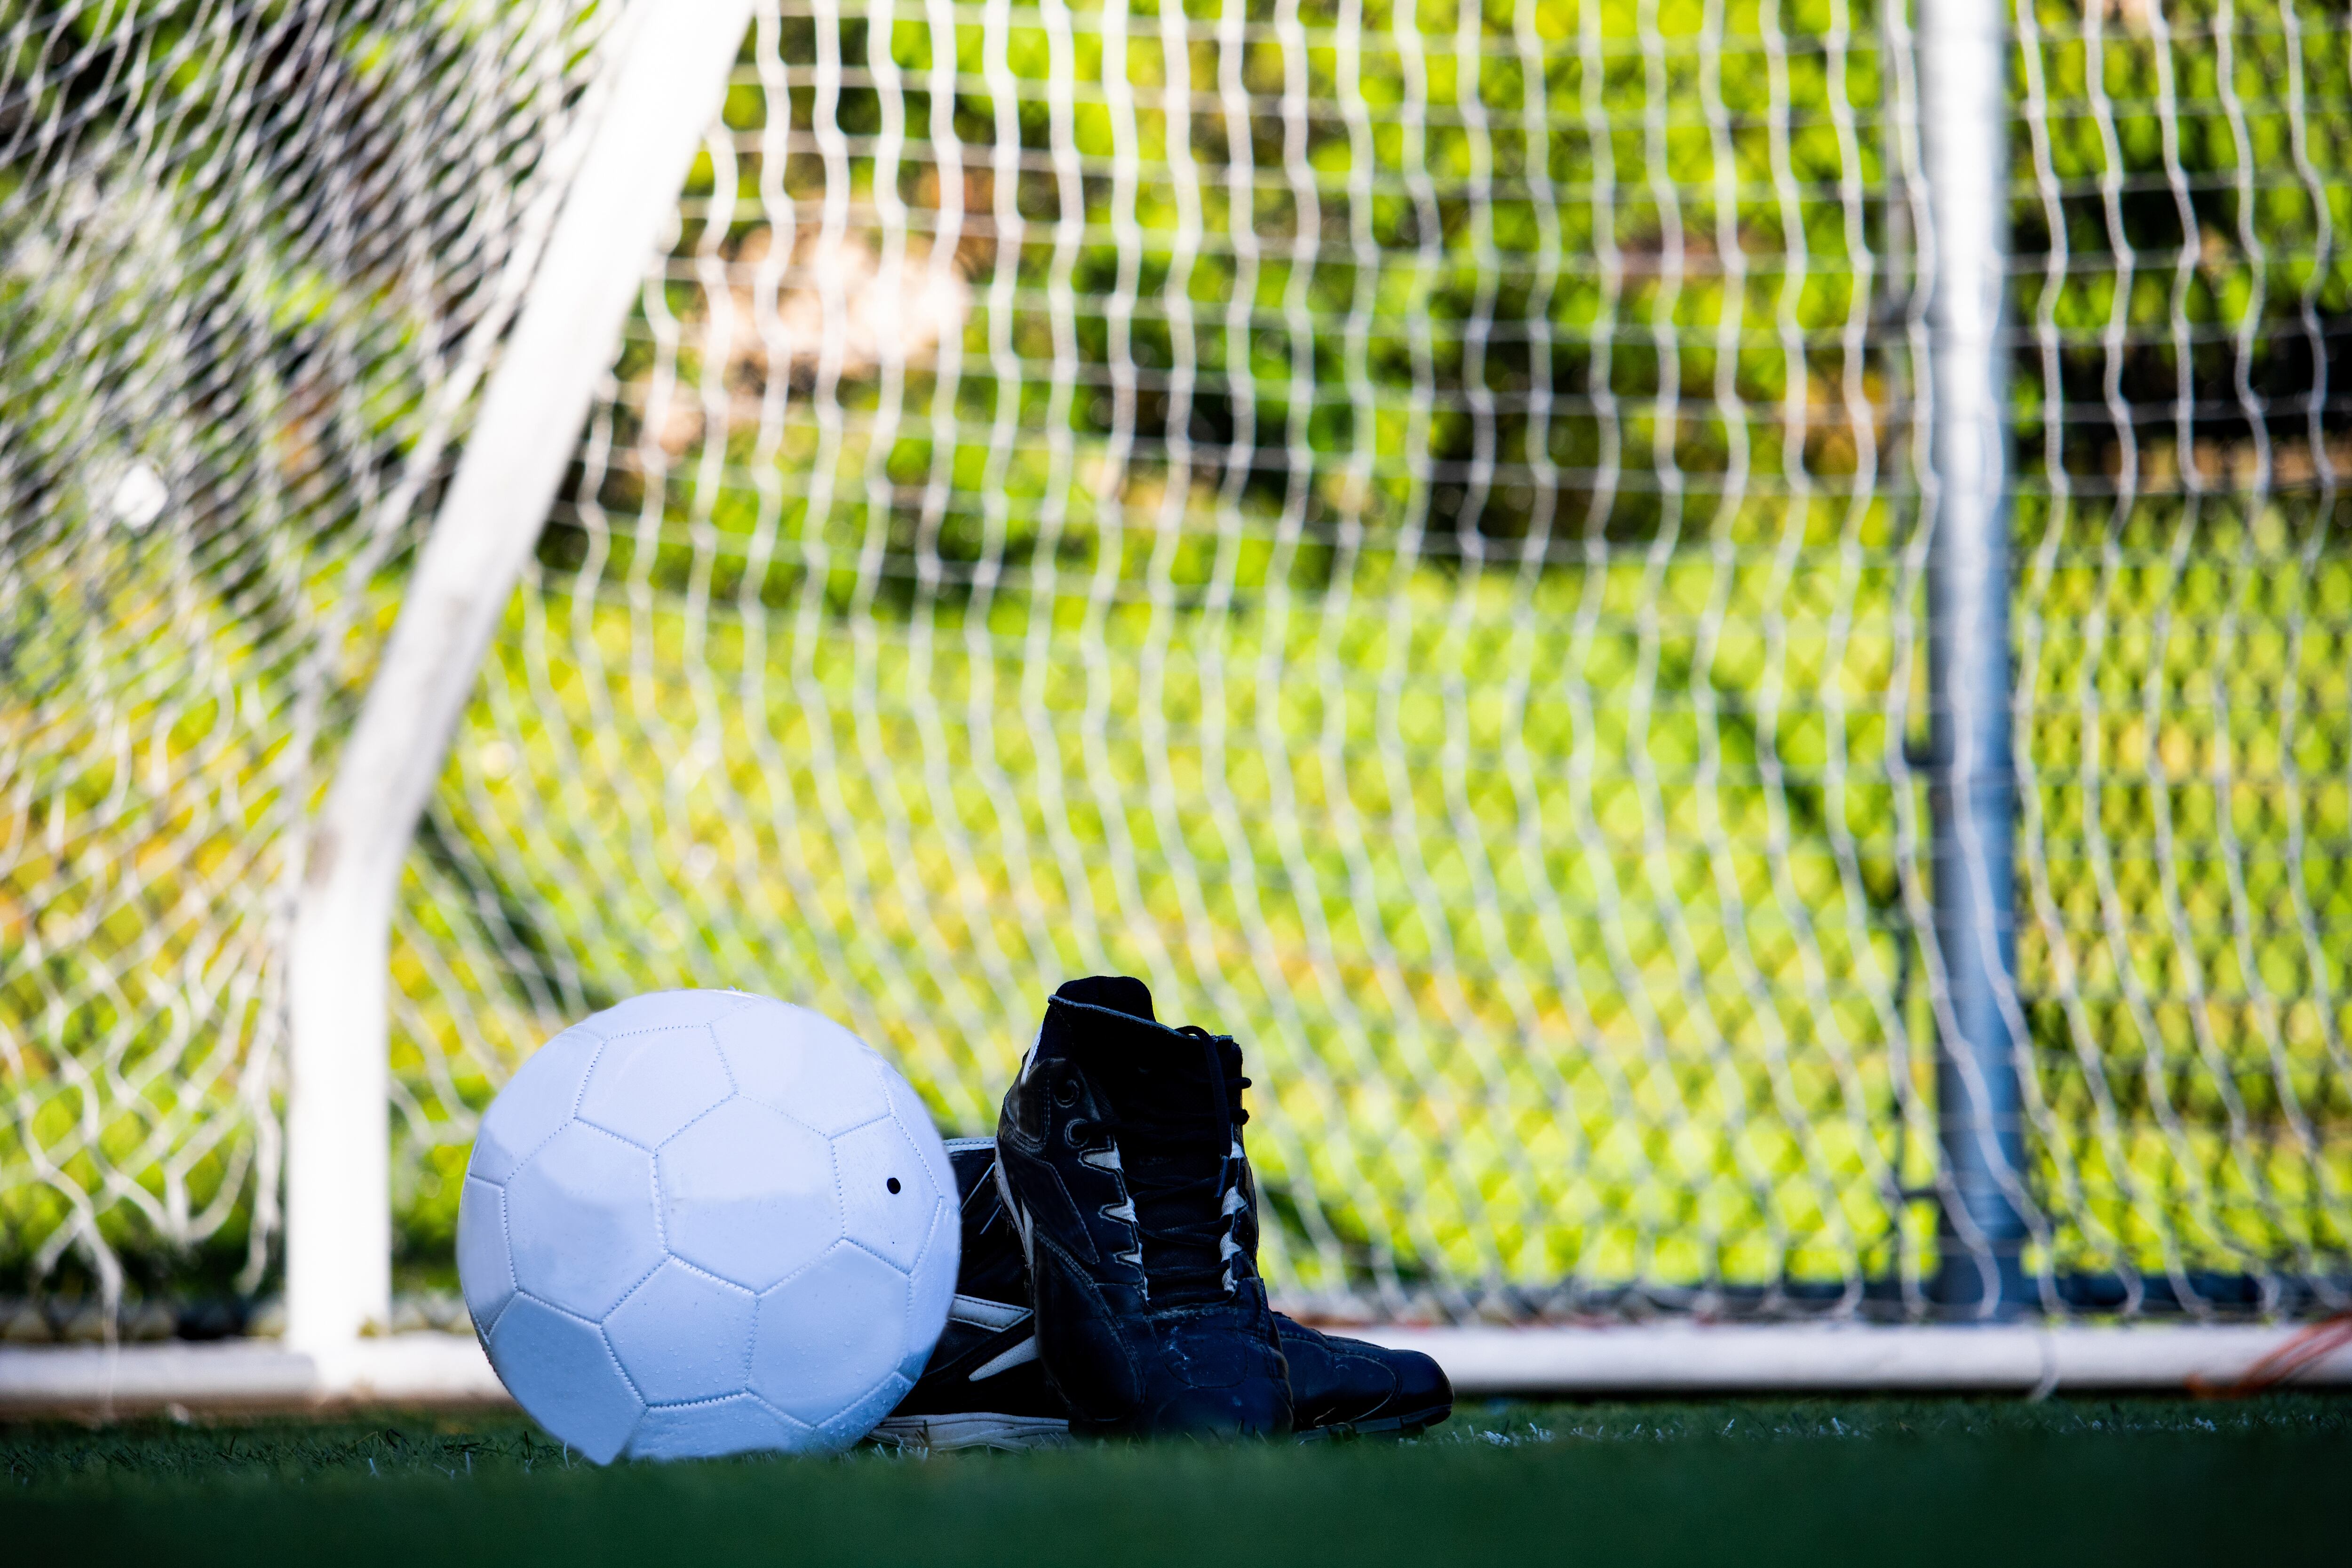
x,y
2185,719
1399,525
242,247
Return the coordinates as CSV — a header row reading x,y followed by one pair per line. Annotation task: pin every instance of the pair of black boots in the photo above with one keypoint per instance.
x,y
1110,1281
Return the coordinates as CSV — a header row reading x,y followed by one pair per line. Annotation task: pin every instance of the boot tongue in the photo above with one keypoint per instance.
x,y
1119,993
1165,1083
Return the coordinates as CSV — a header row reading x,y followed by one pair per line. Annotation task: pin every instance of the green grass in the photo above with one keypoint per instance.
x,y
1744,1482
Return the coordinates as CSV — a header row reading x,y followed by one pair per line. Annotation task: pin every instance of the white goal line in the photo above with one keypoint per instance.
x,y
446,1370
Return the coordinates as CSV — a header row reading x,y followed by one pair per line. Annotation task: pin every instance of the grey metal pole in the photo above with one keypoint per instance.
x,y
1963,70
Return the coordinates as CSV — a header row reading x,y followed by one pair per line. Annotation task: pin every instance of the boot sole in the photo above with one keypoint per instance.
x,y
1410,1424
972,1429
1018,1434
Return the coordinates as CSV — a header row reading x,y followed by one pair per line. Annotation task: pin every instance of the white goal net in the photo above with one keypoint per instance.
x,y
1403,525
243,249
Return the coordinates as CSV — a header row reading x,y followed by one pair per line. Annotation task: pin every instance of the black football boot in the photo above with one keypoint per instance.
x,y
1118,1157
1339,1387
984,1386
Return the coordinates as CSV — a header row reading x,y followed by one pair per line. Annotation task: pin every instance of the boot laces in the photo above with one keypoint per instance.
x,y
1235,1201
1184,1196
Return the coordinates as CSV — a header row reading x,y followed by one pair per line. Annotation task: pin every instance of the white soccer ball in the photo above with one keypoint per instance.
x,y
704,1222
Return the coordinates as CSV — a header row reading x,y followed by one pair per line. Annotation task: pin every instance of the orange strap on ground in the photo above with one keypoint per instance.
x,y
2311,1345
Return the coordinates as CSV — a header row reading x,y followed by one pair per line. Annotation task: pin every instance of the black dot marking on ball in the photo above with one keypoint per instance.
x,y
894,1184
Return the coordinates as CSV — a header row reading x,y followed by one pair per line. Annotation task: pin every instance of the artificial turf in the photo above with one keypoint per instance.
x,y
1980,1481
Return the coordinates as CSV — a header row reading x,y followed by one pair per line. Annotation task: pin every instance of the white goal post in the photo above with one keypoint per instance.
x,y
669,71
1717,636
